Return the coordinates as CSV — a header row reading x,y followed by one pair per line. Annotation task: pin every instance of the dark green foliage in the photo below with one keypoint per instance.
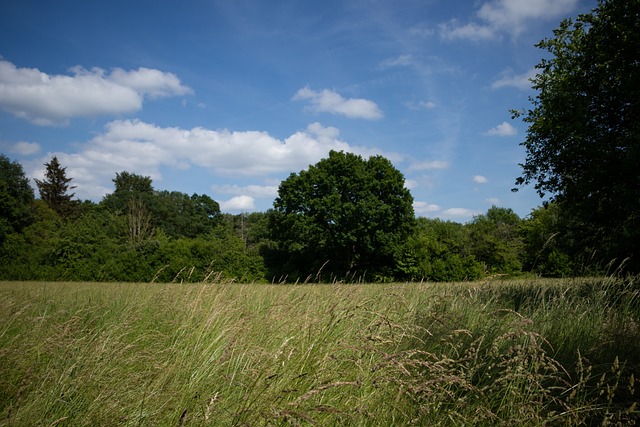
x,y
16,198
438,251
181,215
583,141
548,243
495,240
344,215
54,188
147,210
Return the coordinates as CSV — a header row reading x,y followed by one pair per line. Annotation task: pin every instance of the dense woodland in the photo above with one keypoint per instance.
x,y
140,233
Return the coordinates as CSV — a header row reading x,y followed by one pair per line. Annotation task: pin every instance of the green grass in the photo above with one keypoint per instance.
x,y
529,352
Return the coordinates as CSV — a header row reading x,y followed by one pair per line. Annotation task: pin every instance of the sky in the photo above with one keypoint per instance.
x,y
229,97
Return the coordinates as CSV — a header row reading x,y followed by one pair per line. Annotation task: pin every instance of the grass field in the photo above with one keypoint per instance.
x,y
529,352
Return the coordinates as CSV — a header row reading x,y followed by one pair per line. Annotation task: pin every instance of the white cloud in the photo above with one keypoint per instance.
x,y
400,61
260,191
512,17
453,30
493,201
25,148
144,148
53,100
458,213
421,208
519,81
150,82
428,165
503,129
479,179
328,101
241,203
410,184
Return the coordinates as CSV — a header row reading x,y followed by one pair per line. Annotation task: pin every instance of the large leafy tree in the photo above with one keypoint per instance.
x,y
54,188
16,198
583,140
496,241
343,215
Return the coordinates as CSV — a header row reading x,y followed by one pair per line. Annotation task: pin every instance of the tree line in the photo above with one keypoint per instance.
x,y
343,219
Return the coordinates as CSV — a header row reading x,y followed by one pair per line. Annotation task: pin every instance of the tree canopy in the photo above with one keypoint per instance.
x,y
583,140
16,198
345,213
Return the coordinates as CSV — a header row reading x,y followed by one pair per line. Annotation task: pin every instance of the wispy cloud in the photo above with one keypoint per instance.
x,y
479,179
53,100
428,165
328,101
399,61
420,105
503,129
518,81
249,190
497,17
454,30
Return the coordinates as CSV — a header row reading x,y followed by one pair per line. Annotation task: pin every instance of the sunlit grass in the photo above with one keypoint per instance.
x,y
529,352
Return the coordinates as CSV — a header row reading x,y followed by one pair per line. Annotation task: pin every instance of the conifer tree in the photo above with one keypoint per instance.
x,y
54,188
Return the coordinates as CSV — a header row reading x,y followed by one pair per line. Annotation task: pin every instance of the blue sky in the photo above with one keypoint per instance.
x,y
228,97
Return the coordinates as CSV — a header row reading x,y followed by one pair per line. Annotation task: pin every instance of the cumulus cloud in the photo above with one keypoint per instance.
x,y
518,81
479,179
458,213
433,210
53,100
242,203
145,148
153,83
421,208
328,101
496,17
503,129
24,148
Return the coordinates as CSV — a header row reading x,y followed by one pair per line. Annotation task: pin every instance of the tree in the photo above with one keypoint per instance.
x,y
344,215
496,240
16,198
439,251
583,140
54,187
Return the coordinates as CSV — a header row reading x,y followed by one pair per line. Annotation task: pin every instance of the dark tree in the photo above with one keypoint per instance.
x,y
147,209
127,182
583,140
16,198
344,215
54,188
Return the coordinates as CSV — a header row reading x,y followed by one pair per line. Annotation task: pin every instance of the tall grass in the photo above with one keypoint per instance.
x,y
496,353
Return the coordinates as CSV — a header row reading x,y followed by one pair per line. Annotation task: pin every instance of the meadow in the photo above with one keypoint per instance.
x,y
513,352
